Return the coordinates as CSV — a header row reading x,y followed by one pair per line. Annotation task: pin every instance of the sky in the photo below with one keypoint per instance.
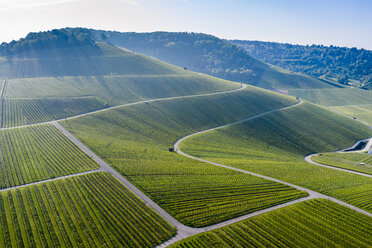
x,y
328,22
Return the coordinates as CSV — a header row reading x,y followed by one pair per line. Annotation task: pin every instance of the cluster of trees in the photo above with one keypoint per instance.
x,y
337,63
54,39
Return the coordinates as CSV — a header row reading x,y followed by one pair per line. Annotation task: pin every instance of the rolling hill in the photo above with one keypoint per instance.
x,y
45,77
210,55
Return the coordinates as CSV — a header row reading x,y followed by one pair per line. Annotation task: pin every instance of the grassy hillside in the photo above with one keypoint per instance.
x,y
314,223
34,100
120,89
75,212
211,55
135,141
362,112
334,97
275,145
37,153
111,61
20,112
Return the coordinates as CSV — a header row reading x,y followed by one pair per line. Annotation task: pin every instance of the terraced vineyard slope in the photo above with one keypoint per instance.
x,y
19,112
362,112
37,153
334,97
314,223
94,210
275,145
83,76
353,161
135,141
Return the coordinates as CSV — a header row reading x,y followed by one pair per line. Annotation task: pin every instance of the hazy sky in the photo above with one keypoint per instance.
x,y
337,22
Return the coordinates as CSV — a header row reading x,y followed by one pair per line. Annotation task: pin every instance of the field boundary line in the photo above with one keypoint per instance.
x,y
51,179
243,86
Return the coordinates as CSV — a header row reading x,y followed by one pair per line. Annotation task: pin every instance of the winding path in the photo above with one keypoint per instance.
x,y
366,148
309,160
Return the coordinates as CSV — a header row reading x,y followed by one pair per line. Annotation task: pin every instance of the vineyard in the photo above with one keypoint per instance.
x,y
135,141
20,112
351,161
94,210
334,97
74,62
275,145
38,153
314,223
116,89
203,196
120,89
362,112
40,88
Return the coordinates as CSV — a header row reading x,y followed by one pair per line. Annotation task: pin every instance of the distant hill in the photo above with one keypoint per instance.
x,y
60,73
341,64
73,52
211,55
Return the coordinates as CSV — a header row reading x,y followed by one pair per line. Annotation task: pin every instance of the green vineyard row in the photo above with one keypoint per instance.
x,y
37,153
314,223
94,210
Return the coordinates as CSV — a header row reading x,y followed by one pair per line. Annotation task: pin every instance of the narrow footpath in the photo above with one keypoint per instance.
x,y
243,86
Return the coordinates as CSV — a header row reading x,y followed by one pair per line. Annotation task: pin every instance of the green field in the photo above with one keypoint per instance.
x,y
273,77
351,161
35,100
120,89
42,87
334,97
93,210
135,141
314,223
74,62
275,146
362,112
37,153
20,112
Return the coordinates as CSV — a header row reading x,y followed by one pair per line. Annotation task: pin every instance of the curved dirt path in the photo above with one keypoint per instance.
x,y
309,160
243,86
366,148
